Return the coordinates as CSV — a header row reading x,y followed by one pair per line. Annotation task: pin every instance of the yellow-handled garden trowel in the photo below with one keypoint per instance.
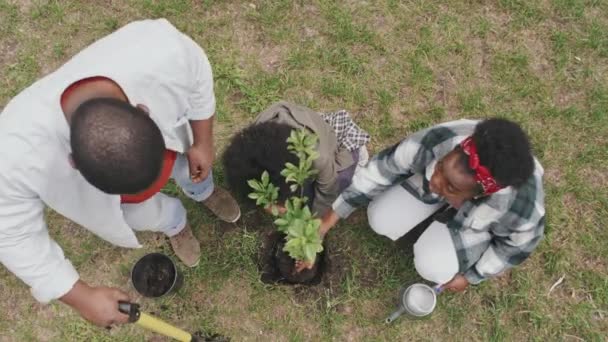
x,y
163,328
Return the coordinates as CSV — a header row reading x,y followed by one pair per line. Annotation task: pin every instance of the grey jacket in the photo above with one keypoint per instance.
x,y
331,158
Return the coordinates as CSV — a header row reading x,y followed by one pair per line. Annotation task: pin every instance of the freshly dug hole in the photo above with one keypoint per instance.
x,y
278,267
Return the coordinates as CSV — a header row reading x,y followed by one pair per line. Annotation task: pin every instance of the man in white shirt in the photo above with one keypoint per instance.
x,y
161,80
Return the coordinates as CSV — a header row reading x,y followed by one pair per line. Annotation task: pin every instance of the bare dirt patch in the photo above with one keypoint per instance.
x,y
270,58
554,176
537,49
596,177
8,52
23,5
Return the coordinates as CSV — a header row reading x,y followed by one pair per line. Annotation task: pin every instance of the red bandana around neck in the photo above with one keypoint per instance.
x,y
483,176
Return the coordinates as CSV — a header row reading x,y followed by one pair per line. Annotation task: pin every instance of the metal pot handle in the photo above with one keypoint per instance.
x,y
395,315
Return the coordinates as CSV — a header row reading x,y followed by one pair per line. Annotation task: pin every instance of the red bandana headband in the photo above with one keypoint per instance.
x,y
483,176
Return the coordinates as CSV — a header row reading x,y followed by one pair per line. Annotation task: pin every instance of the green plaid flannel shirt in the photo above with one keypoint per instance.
x,y
491,234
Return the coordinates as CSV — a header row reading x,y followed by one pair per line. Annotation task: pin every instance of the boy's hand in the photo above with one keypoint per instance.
x,y
458,284
200,161
98,305
327,222
302,265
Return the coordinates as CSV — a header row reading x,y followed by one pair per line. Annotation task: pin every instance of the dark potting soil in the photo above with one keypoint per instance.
x,y
154,279
278,267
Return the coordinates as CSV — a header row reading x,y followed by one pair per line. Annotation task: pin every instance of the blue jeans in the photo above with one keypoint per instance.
x,y
181,174
163,213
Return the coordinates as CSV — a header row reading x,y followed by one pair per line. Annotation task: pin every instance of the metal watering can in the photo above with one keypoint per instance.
x,y
417,300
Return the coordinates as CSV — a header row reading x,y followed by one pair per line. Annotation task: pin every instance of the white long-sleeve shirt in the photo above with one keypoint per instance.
x,y
155,65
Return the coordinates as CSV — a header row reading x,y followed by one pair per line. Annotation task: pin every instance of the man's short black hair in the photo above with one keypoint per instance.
x,y
504,148
116,146
257,148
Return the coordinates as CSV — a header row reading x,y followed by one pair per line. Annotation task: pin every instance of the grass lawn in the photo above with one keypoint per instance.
x,y
397,66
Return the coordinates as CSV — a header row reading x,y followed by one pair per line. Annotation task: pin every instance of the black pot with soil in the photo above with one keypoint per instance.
x,y
278,267
155,275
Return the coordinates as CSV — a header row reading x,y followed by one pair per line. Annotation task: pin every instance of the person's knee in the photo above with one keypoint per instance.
x,y
178,210
425,265
173,214
431,265
379,222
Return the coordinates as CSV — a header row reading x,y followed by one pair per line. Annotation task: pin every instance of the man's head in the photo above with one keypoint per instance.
x,y
503,149
115,146
257,148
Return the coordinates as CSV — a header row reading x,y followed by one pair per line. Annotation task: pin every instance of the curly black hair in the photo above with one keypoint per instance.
x,y
504,148
116,146
253,150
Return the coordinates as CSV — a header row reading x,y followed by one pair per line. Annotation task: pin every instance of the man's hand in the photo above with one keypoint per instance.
x,y
458,284
200,160
98,305
201,154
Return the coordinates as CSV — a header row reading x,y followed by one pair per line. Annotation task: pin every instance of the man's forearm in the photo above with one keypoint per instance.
x,y
202,132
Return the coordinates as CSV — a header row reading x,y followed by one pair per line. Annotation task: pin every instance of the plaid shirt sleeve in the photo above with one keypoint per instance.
x,y
382,171
396,163
515,234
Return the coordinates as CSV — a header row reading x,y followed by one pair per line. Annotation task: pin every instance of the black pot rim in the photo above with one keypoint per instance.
x,y
175,269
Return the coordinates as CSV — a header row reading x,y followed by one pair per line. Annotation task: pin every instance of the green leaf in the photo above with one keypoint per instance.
x,y
253,195
310,253
275,210
294,247
293,135
281,222
289,205
313,155
275,194
296,229
260,201
255,185
290,166
306,212
265,178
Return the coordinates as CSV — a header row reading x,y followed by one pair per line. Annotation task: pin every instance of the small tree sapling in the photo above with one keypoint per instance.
x,y
297,222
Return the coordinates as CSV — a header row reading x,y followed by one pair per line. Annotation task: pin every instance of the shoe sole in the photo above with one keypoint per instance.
x,y
229,221
195,264
236,219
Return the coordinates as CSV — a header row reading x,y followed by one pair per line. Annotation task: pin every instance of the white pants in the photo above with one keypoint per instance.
x,y
396,212
166,214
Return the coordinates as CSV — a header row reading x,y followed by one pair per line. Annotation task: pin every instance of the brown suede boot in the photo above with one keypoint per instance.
x,y
223,205
186,247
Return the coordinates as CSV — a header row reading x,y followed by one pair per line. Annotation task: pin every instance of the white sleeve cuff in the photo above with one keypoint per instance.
x,y
342,208
58,283
202,108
